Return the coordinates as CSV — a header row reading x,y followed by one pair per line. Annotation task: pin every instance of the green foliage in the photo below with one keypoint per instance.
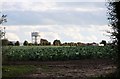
x,y
47,53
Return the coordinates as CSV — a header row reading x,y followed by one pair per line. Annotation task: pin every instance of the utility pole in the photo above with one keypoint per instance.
x,y
2,34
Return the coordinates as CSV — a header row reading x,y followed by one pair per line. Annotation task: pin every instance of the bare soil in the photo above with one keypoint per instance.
x,y
75,69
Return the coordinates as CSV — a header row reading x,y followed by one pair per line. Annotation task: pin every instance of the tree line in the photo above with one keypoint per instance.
x,y
44,42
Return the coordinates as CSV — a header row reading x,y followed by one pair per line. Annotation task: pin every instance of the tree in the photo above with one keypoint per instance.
x,y
103,42
114,20
5,42
30,44
49,43
17,43
3,19
56,42
44,42
10,43
25,43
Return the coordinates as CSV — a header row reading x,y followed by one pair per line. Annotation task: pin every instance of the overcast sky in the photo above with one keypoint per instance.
x,y
66,21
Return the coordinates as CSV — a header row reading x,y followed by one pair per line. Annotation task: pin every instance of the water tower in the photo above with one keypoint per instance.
x,y
35,37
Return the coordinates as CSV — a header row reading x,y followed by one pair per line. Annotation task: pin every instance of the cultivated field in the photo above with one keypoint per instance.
x,y
58,62
53,53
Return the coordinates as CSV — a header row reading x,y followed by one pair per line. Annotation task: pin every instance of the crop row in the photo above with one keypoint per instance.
x,y
57,53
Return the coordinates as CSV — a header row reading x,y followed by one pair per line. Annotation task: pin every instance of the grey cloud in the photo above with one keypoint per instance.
x,y
59,18
81,4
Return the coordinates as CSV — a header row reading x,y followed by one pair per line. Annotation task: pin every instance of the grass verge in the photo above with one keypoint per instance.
x,y
17,70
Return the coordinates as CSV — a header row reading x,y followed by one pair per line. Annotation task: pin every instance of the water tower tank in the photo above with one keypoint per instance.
x,y
35,37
